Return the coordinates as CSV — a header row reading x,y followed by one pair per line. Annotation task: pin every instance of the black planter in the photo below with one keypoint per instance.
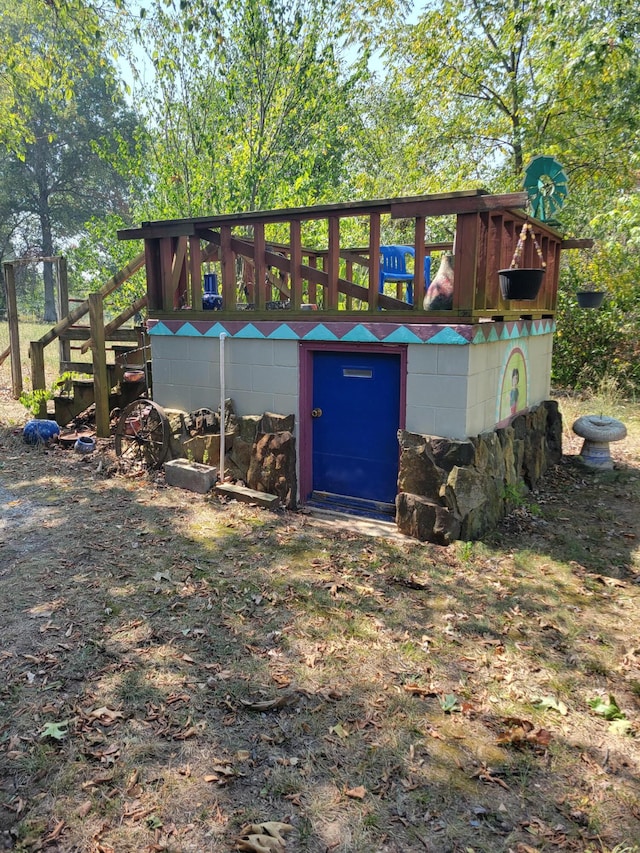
x,y
590,298
518,284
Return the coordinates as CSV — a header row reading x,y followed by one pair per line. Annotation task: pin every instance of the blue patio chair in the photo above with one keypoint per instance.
x,y
393,267
211,299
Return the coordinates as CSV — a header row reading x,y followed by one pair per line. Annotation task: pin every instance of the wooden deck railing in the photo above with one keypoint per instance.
x,y
270,259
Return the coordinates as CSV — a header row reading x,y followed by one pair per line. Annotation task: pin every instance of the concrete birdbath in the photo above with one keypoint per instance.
x,y
598,431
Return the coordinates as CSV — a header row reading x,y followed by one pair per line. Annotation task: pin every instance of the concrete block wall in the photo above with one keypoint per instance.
x,y
452,389
260,375
437,389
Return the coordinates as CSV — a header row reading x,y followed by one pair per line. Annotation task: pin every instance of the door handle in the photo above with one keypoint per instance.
x,y
316,413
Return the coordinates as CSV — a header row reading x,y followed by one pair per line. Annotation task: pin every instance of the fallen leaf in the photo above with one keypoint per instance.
x,y
358,793
270,704
552,704
57,731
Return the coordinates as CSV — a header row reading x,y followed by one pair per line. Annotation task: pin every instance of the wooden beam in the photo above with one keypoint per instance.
x,y
333,262
63,304
373,294
419,284
260,267
228,269
447,205
14,331
100,378
577,243
38,377
118,321
295,264
195,272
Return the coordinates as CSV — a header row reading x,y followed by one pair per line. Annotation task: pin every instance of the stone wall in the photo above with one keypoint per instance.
x,y
450,490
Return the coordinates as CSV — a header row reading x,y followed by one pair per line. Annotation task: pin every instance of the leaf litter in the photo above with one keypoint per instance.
x,y
179,674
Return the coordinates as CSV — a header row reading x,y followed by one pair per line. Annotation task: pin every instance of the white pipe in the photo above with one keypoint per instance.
x,y
222,408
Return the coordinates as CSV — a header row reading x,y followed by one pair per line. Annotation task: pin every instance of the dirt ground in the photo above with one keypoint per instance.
x,y
174,669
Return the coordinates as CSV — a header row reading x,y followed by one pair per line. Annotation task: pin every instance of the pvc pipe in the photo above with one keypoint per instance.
x,y
222,407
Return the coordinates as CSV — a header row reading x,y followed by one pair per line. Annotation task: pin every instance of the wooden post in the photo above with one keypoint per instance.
x,y
333,263
419,284
100,380
227,261
260,268
195,268
296,260
38,378
14,330
374,260
63,305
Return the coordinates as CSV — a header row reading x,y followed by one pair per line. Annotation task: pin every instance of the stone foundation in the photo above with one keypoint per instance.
x,y
260,449
452,490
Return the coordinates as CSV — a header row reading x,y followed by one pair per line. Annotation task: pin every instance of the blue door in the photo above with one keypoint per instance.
x,y
356,415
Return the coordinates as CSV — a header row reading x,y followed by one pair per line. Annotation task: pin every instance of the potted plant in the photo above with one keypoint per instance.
x,y
589,297
520,283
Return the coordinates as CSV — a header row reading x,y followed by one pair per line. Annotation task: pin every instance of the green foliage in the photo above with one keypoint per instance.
x,y
593,345
96,255
607,708
56,731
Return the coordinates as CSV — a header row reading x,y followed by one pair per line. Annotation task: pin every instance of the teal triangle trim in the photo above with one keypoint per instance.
x,y
188,331
215,331
360,334
479,337
402,336
159,328
447,336
493,335
283,333
249,331
320,333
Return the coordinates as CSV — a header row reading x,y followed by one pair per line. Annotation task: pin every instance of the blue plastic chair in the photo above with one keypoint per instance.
x,y
393,267
211,299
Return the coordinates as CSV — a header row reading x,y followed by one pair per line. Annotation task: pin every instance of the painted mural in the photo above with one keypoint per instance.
x,y
513,388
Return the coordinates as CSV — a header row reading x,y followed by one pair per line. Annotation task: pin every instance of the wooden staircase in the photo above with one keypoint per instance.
x,y
128,377
107,385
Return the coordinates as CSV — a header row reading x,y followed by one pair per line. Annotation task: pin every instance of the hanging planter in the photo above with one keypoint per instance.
x,y
590,298
522,283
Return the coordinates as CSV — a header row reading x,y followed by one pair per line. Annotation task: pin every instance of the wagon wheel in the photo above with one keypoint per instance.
x,y
142,433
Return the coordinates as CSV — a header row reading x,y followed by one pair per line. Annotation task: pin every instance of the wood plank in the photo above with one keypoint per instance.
x,y
195,272
38,378
246,495
159,228
373,295
118,321
227,259
260,266
178,272
63,303
295,263
465,260
333,263
14,332
444,206
577,243
100,377
419,284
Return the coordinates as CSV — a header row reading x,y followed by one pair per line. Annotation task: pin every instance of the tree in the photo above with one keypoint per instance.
x,y
493,84
251,109
64,175
35,63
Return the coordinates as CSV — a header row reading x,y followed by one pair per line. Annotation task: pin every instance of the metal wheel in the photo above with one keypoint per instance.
x,y
142,433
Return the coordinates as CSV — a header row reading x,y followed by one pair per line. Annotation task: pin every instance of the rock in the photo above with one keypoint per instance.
x,y
248,427
273,466
276,423
418,472
426,520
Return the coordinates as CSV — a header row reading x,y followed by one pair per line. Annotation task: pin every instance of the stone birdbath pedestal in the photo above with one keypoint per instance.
x,y
598,431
